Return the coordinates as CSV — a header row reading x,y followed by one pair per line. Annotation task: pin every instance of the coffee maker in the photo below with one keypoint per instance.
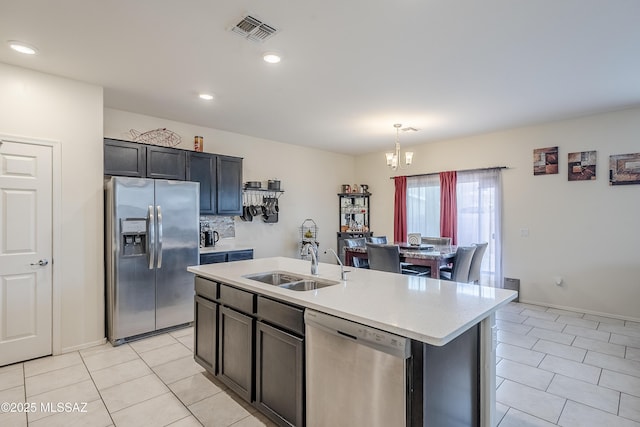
x,y
208,237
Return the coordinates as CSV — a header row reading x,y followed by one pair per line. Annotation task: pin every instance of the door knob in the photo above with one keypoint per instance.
x,y
41,263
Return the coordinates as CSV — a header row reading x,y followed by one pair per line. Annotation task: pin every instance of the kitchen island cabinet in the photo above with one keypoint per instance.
x,y
254,345
451,328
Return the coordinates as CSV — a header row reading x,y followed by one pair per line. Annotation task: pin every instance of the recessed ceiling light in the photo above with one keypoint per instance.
x,y
272,58
22,47
206,96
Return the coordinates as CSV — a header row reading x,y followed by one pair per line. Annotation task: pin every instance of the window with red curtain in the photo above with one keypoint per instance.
x,y
478,199
400,210
448,206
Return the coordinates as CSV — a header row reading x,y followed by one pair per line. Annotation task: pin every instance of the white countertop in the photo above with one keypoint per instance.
x,y
428,310
225,245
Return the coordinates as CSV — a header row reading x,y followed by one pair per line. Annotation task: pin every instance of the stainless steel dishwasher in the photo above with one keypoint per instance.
x,y
355,375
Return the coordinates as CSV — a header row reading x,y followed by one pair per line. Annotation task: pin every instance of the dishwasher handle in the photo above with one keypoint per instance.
x,y
377,339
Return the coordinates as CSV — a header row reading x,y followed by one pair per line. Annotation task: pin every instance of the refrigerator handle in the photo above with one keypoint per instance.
x,y
159,236
152,237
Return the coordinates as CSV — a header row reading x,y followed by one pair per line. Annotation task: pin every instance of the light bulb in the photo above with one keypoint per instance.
x,y
389,157
408,157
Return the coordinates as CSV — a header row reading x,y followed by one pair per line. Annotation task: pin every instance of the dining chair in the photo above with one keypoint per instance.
x,y
461,265
378,240
437,241
476,262
384,257
357,243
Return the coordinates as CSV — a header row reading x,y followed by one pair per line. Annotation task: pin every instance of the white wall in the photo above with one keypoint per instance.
x,y
585,232
42,106
310,178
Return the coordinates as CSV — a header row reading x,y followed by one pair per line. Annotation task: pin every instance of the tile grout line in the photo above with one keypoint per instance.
x,y
97,389
561,411
24,391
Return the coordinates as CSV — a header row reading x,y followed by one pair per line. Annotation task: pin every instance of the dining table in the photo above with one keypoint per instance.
x,y
430,256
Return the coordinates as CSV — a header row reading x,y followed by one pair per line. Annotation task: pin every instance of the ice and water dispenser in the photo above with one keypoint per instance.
x,y
133,235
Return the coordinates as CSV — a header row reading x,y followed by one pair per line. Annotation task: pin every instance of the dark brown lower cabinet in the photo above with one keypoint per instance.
x,y
206,333
280,375
254,345
235,351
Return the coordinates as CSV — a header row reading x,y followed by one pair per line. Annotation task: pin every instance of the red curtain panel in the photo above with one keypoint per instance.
x,y
448,206
400,210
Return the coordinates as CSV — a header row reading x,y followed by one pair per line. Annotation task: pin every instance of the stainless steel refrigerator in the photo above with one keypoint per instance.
x,y
152,235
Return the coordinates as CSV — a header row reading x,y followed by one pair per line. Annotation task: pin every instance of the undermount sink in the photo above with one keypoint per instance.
x,y
275,278
308,285
290,281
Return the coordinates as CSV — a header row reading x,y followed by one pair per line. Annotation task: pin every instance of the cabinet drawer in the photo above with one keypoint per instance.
x,y
213,258
284,315
240,255
206,288
237,298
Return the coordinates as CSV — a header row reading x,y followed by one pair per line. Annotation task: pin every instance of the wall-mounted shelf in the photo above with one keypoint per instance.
x,y
264,192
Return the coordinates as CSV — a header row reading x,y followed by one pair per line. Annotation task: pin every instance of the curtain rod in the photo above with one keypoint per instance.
x,y
464,170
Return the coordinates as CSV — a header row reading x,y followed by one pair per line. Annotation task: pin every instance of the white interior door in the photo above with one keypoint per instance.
x,y
25,251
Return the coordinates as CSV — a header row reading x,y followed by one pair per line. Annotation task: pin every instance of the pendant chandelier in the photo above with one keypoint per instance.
x,y
393,158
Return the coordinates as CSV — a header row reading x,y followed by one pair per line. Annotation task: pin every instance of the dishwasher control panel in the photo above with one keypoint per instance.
x,y
364,335
380,337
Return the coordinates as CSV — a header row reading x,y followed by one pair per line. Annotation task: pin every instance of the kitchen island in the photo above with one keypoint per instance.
x,y
450,327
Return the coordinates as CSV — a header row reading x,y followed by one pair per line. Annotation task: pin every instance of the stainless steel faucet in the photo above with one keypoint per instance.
x,y
310,248
343,272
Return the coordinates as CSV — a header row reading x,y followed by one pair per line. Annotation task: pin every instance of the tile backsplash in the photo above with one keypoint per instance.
x,y
224,225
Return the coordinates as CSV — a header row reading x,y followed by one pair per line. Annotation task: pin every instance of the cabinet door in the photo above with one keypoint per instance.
x,y
279,375
206,326
202,168
229,185
240,255
166,163
123,158
235,351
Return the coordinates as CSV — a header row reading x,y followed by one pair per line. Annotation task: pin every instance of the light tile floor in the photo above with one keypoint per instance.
x,y
151,382
554,367
558,367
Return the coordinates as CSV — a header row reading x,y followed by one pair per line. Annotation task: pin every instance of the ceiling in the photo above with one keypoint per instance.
x,y
350,69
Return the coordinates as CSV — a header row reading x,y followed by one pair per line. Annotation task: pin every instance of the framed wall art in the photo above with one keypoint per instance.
x,y
624,169
582,166
545,161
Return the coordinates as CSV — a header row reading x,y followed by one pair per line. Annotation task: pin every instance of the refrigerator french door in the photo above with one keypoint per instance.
x,y
152,235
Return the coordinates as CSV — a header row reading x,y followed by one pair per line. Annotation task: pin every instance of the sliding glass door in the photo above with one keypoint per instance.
x,y
479,214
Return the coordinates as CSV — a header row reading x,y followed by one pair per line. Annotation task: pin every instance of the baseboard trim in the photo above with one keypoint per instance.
x,y
580,310
82,346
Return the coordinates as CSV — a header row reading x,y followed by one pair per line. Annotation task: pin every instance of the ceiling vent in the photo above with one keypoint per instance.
x,y
253,29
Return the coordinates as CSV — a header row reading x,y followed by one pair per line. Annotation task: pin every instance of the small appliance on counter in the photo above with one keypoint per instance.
x,y
211,238
208,237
